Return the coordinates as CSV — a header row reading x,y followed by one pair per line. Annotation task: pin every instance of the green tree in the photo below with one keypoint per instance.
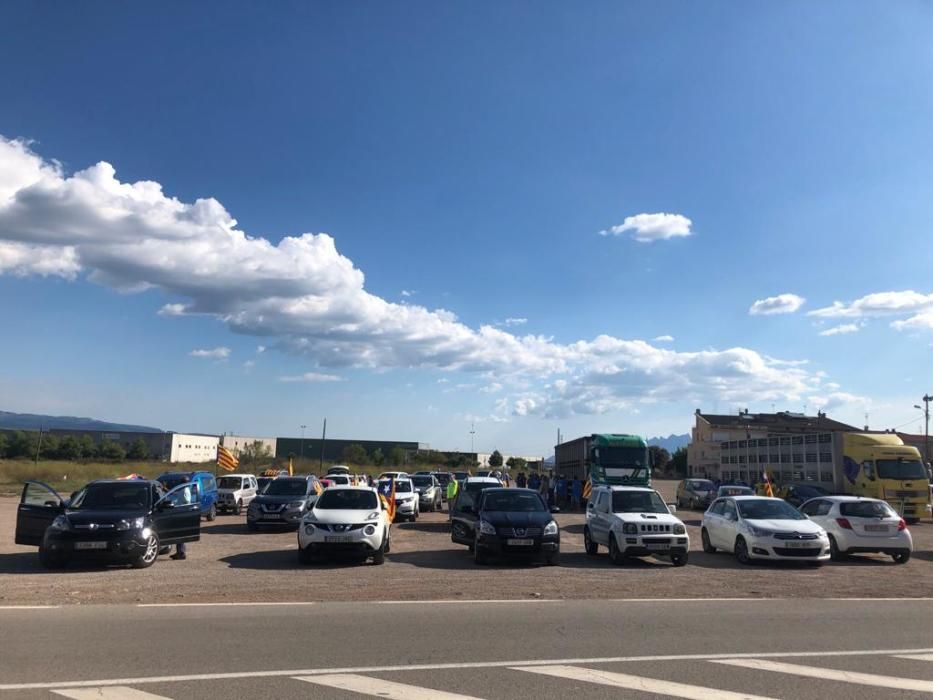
x,y
378,458
518,463
397,456
660,457
49,446
678,462
111,450
22,444
355,454
138,450
495,459
69,448
88,448
3,446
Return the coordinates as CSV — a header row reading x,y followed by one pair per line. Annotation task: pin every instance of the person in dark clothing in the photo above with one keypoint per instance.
x,y
520,480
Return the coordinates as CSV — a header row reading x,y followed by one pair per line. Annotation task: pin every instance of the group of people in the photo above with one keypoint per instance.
x,y
557,490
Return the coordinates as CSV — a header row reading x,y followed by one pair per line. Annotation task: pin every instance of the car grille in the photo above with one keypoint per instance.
x,y
272,507
657,540
93,526
785,552
339,528
519,531
654,527
794,536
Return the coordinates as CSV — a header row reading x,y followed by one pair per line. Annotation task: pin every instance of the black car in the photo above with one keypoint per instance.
x,y
513,521
462,513
130,521
798,494
283,502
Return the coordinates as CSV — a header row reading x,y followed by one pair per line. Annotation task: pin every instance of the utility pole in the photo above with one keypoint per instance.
x,y
301,446
472,433
38,445
323,440
926,431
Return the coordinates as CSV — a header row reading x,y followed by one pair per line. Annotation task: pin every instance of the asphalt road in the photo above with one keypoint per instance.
x,y
802,649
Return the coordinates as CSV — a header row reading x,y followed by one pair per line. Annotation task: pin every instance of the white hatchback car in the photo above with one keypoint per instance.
x,y
757,527
346,520
858,525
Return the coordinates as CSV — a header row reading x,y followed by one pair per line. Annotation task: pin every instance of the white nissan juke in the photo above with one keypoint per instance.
x,y
348,520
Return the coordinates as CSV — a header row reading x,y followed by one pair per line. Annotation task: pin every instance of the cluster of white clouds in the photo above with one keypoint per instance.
x,y
212,353
647,228
915,308
842,329
302,296
780,304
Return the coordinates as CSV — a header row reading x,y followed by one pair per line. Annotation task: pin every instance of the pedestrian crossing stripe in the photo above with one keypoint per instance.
x,y
831,674
115,692
367,685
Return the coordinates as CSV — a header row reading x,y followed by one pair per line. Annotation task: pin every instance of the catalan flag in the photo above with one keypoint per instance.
x,y
387,496
226,459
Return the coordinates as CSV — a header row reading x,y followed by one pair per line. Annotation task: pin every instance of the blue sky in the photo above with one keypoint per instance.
x,y
469,154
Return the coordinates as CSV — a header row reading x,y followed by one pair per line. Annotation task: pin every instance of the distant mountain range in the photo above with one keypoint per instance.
x,y
671,443
30,421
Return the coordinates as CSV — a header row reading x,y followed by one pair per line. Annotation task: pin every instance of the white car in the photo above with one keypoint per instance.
x,y
406,498
857,525
392,475
347,520
235,492
633,521
758,527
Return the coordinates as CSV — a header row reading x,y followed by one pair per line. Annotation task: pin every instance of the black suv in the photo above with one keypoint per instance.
x,y
129,521
283,502
512,521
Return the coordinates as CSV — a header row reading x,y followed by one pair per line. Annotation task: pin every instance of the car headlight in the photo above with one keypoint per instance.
x,y
60,523
551,528
309,528
759,531
679,529
131,524
296,505
486,528
373,516
369,530
630,528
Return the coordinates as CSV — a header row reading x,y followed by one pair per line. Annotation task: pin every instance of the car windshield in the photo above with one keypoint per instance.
x,y
768,509
347,499
422,481
637,502
701,485
287,487
128,496
901,469
513,502
262,482
866,509
444,479
229,482
401,486
170,481
622,456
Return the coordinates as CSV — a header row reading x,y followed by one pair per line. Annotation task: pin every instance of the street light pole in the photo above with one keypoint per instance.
x,y
301,445
926,431
472,433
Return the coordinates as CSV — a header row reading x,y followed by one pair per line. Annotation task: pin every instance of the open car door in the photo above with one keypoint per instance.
x,y
177,515
39,505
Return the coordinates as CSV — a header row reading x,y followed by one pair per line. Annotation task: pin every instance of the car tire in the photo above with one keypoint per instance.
x,y
305,555
741,551
615,554
834,552
592,548
680,559
51,560
238,508
458,529
901,557
707,545
150,553
379,556
212,513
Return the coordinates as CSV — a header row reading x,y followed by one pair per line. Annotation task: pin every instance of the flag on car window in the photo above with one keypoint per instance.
x,y
769,492
387,496
226,459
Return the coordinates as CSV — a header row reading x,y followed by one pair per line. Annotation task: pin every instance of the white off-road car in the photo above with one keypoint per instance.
x,y
235,492
633,521
348,520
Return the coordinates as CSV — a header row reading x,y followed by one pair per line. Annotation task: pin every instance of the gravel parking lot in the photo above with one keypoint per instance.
x,y
232,564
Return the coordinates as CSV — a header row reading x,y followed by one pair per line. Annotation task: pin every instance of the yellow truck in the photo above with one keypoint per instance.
x,y
880,465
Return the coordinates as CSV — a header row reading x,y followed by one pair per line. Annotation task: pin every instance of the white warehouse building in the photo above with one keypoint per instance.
x,y
194,448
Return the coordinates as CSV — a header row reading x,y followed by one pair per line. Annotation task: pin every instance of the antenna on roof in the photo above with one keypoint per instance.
x,y
866,420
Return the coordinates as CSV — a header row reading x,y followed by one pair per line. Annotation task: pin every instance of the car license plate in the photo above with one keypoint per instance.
x,y
876,528
90,545
337,538
520,543
659,547
798,545
272,516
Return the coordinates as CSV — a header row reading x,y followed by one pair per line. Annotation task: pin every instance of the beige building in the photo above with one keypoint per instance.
x,y
236,443
722,446
194,448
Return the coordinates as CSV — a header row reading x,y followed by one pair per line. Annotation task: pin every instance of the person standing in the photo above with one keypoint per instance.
x,y
546,489
577,492
534,482
452,488
562,491
520,480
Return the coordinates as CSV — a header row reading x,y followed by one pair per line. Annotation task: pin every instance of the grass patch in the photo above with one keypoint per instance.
x,y
66,477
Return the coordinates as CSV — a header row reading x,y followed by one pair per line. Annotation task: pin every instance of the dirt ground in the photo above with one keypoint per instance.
x,y
232,564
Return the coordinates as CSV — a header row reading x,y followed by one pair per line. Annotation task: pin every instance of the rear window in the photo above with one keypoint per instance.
x,y
422,481
287,487
170,481
866,509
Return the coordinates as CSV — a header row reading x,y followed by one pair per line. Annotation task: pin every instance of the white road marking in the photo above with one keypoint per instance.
x,y
915,657
831,674
453,666
367,685
29,607
462,602
111,693
646,685
219,605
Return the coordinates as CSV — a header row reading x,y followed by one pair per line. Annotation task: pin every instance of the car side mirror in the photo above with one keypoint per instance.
x,y
164,505
672,507
591,505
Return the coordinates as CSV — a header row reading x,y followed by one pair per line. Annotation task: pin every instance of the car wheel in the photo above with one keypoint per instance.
x,y
238,508
615,554
901,557
741,551
707,545
588,543
52,560
834,552
150,553
379,556
414,515
679,559
212,513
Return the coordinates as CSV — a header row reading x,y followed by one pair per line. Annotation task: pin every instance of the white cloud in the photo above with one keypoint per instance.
x,y
260,349
310,377
493,388
211,354
664,339
172,310
646,228
249,364
307,298
443,380
878,304
781,304
920,321
515,321
839,400
842,329
408,292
